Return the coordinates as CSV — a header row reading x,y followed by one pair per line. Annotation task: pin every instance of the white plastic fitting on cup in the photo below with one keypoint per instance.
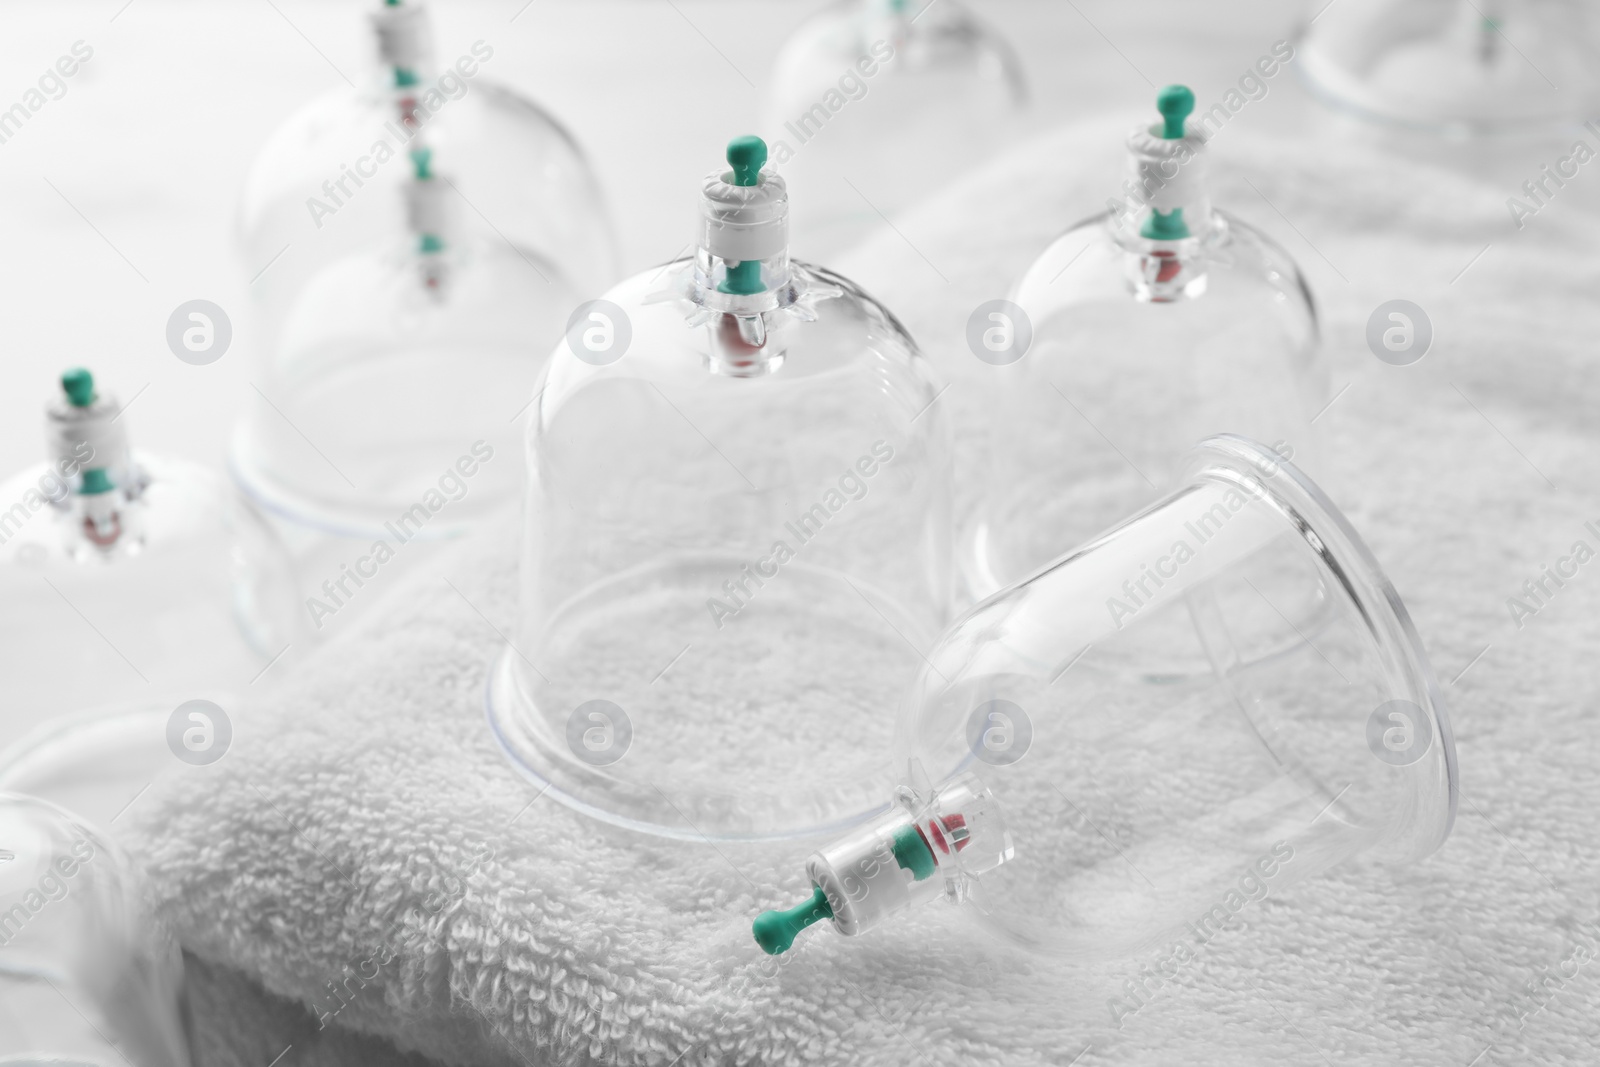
x,y
403,35
740,223
86,436
427,209
1170,174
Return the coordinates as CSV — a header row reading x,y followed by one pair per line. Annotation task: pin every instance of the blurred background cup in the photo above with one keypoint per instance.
x,y
87,975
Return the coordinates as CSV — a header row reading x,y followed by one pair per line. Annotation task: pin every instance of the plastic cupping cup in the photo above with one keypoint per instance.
x,y
737,539
1088,814
1148,327
87,975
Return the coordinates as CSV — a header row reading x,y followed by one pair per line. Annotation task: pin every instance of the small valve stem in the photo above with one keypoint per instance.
x,y
102,522
746,155
1175,103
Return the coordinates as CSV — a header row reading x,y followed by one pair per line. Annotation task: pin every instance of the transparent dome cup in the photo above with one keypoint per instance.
x,y
102,643
97,762
161,586
737,539
1139,346
332,180
87,976
1088,815
1095,417
392,366
1455,67
875,104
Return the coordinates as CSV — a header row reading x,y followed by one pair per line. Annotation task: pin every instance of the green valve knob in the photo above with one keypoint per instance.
x,y
78,384
776,930
95,481
1175,103
1168,226
743,279
747,155
912,853
422,162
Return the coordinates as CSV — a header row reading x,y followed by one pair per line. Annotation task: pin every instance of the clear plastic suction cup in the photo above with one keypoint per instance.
x,y
736,542
96,762
334,180
87,975
130,580
875,104
1106,816
390,409
1455,67
1149,328
453,228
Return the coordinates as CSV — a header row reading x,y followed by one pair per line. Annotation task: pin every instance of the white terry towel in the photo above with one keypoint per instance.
x,y
365,823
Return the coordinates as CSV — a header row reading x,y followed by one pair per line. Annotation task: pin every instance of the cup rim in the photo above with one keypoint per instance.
x,y
1347,560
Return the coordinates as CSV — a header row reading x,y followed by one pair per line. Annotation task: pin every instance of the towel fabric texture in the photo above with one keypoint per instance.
x,y
363,873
